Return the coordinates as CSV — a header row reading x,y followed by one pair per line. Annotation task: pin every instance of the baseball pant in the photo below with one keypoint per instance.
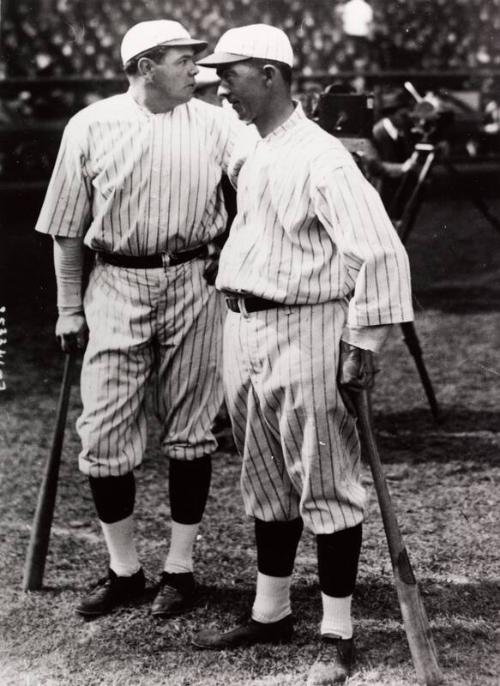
x,y
162,325
300,447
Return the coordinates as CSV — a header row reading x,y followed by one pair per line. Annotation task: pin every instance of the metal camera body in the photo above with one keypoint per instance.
x,y
346,115
349,117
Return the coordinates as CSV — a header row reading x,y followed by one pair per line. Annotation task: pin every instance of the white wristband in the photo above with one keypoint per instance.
x,y
68,265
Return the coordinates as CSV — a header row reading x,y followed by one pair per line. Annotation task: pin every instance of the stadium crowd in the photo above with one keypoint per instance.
x,y
71,37
80,39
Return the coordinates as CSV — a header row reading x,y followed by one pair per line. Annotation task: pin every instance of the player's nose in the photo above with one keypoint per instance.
x,y
223,90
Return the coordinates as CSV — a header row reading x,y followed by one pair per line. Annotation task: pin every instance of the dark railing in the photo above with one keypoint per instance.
x,y
13,86
421,79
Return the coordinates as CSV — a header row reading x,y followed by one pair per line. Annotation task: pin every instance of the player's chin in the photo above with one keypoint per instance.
x,y
241,112
185,96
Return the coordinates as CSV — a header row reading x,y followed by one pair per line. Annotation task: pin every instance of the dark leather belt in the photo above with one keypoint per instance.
x,y
166,259
249,303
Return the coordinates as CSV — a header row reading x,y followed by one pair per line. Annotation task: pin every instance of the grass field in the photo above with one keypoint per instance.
x,y
444,479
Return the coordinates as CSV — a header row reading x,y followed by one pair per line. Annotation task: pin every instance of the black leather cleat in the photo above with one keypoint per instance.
x,y
111,592
334,663
175,595
245,634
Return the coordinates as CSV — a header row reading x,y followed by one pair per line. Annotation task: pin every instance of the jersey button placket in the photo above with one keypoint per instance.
x,y
155,123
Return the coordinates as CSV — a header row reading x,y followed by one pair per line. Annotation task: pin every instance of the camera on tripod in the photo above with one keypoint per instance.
x,y
346,115
349,117
432,123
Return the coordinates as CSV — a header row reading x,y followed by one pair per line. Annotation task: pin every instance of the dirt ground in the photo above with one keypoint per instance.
x,y
443,476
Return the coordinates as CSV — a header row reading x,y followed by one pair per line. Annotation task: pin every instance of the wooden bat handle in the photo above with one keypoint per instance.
x,y
42,521
415,620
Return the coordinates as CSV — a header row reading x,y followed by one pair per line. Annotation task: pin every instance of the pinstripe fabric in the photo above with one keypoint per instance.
x,y
147,329
311,229
312,234
299,445
138,183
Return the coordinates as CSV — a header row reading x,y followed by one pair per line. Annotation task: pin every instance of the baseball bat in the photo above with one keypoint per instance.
x,y
42,520
415,620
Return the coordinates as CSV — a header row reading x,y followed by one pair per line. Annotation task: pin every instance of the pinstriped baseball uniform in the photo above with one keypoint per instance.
x,y
313,235
138,183
135,183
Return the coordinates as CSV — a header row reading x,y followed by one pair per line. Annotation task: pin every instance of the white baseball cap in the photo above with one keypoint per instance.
x,y
256,40
149,34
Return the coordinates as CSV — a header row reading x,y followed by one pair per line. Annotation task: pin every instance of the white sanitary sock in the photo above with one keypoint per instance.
x,y
180,555
272,598
119,537
337,619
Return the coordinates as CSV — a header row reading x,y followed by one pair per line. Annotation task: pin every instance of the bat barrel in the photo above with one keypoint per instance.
x,y
415,620
42,521
422,648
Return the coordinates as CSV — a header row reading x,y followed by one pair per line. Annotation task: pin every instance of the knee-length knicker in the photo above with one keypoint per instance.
x,y
158,324
300,448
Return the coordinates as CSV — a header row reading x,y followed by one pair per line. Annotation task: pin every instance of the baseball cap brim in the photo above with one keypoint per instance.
x,y
217,59
197,45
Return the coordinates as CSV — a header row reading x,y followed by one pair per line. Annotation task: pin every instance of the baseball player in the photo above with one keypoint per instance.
x,y
137,181
314,276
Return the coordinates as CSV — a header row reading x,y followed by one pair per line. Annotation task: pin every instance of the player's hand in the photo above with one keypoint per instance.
x,y
72,332
357,367
356,372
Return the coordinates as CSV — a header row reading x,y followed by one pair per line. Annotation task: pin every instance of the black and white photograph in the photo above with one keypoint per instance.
x,y
249,342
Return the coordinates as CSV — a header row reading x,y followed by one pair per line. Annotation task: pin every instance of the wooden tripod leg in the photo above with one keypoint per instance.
x,y
409,215
411,340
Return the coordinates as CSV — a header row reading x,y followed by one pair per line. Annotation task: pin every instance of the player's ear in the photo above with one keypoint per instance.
x,y
270,72
145,67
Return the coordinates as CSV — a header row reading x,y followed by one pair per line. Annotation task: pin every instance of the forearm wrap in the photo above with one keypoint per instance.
x,y
68,265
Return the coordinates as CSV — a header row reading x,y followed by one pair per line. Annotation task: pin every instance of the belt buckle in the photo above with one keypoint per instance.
x,y
242,306
166,259
235,303
231,301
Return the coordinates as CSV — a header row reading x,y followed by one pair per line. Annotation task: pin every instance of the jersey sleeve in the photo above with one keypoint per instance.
x,y
66,210
368,337
374,259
